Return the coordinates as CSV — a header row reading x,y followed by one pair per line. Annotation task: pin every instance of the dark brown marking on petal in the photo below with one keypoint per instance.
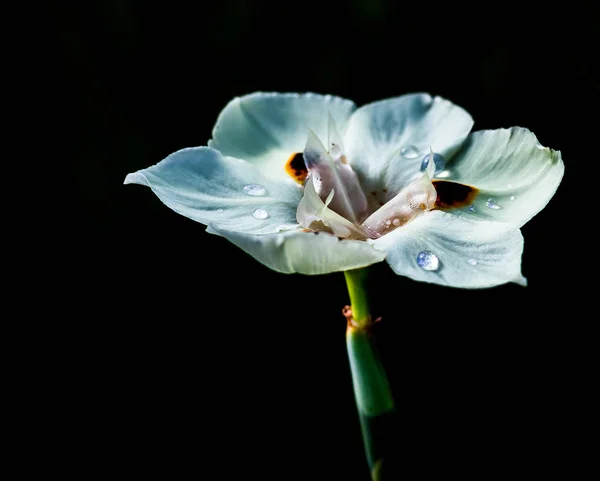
x,y
384,190
452,195
296,168
373,193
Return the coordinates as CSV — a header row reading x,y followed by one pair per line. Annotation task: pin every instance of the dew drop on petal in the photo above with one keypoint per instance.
x,y
220,211
440,162
396,222
471,208
428,261
473,262
254,190
512,197
492,204
410,152
260,213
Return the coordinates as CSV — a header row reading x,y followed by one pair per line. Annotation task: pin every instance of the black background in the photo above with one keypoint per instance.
x,y
188,356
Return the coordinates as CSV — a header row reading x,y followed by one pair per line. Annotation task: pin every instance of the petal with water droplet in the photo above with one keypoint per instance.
x,y
378,133
507,167
415,199
496,246
205,186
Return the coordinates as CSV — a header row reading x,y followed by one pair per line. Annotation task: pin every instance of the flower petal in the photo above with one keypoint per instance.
x,y
414,199
327,174
266,128
515,175
304,252
312,211
386,141
207,187
470,253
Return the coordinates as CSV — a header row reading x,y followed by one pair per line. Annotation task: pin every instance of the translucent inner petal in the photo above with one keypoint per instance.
x,y
316,215
417,197
333,172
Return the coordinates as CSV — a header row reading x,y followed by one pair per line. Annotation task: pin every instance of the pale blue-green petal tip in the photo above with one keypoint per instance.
x,y
522,281
136,178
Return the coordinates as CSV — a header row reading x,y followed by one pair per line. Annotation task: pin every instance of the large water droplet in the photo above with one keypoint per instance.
x,y
410,152
473,262
492,204
428,261
440,162
260,213
254,190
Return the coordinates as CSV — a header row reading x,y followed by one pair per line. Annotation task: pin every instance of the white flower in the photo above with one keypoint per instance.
x,y
309,183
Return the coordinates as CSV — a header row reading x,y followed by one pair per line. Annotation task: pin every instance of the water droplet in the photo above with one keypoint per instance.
x,y
220,211
428,261
492,204
512,197
439,160
388,222
410,152
473,262
335,151
254,190
472,208
260,213
396,222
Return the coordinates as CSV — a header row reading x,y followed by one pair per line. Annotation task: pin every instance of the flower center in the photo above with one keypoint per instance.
x,y
335,202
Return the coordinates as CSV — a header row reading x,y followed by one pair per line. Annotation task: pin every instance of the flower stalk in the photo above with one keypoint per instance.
x,y
372,392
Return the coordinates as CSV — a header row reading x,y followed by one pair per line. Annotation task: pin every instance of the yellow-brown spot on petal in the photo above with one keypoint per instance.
x,y
452,195
296,168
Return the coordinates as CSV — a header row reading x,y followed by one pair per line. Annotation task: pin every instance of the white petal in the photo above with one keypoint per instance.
x,y
378,133
470,253
304,252
267,128
207,187
516,176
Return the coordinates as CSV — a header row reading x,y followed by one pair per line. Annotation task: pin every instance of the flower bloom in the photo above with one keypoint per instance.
x,y
308,183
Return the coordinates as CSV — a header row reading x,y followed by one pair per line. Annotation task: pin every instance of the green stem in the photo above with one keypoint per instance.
x,y
371,388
